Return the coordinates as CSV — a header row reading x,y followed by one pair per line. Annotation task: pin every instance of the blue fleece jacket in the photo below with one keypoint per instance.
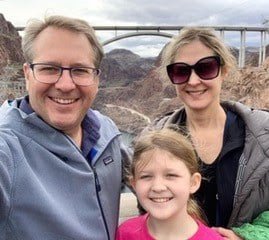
x,y
48,190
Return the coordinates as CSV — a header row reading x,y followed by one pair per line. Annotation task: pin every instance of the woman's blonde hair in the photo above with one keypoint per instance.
x,y
172,141
35,27
208,37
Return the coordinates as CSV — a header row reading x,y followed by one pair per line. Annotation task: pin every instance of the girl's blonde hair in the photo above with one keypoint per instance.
x,y
172,141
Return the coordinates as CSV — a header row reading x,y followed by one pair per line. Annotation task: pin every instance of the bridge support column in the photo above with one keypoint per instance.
x,y
242,49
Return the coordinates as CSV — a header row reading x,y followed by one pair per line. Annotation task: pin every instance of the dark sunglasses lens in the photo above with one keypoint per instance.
x,y
178,73
207,68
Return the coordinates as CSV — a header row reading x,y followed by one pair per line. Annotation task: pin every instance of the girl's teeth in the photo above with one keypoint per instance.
x,y
160,200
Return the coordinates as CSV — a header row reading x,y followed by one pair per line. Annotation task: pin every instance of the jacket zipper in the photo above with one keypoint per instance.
x,y
98,189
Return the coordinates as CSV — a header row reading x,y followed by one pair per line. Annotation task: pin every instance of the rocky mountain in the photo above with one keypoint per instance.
x,y
120,67
11,59
10,42
249,85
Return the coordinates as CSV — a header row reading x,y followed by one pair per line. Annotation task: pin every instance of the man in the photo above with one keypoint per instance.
x,y
60,161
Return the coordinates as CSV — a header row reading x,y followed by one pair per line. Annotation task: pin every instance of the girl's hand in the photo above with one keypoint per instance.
x,y
227,234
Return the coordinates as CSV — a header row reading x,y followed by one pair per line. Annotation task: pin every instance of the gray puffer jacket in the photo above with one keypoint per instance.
x,y
252,182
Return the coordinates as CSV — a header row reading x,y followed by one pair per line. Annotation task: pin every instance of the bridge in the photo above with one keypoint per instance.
x,y
122,32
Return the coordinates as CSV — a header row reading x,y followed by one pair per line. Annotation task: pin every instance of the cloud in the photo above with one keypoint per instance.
x,y
182,12
141,12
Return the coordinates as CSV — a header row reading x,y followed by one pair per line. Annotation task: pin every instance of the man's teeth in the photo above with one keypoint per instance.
x,y
63,101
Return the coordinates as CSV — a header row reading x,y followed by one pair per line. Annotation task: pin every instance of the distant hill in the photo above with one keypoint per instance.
x,y
120,67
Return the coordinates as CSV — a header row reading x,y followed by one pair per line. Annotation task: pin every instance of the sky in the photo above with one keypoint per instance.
x,y
146,13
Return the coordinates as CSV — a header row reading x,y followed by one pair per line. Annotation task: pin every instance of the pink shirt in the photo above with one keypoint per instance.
x,y
136,228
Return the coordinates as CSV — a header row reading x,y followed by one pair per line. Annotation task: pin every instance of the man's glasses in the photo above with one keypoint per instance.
x,y
206,68
49,73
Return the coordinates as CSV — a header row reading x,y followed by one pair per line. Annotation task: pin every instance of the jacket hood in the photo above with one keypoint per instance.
x,y
256,121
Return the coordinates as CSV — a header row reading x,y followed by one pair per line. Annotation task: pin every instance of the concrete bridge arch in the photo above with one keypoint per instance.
x,y
134,34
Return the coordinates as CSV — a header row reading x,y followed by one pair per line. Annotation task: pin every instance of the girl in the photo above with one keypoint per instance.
x,y
164,173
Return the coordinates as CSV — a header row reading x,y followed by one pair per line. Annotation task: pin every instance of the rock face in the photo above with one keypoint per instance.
x,y
10,43
120,67
128,120
249,85
11,59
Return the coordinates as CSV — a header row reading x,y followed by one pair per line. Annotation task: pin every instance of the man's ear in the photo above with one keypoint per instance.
x,y
27,72
195,182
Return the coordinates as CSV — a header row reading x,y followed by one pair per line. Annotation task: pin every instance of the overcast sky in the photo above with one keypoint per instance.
x,y
143,13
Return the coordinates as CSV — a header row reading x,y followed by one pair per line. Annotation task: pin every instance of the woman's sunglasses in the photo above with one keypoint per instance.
x,y
206,68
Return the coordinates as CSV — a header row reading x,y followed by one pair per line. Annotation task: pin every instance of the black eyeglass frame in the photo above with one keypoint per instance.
x,y
96,71
193,67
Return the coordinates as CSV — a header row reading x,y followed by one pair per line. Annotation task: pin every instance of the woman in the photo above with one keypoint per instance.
x,y
231,140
